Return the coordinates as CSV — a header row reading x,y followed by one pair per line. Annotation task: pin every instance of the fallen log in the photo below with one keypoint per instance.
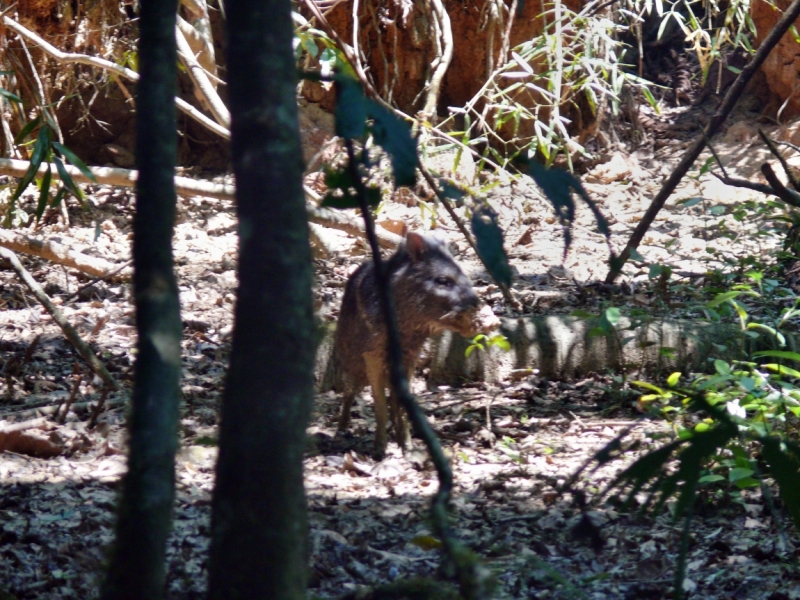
x,y
57,253
563,348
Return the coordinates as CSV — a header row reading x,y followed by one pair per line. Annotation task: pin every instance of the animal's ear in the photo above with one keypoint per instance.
x,y
415,246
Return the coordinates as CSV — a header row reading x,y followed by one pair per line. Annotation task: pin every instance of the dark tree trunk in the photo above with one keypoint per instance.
x,y
137,567
258,524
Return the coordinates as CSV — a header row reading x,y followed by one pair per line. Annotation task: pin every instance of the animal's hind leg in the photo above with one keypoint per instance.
x,y
399,414
347,404
376,373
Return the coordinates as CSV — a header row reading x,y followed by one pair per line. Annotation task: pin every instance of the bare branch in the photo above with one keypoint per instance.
x,y
72,57
69,331
201,81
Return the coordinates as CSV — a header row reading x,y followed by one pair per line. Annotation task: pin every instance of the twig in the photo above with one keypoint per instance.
x,y
711,148
76,370
794,147
72,57
32,424
471,575
98,408
724,109
69,331
790,175
124,265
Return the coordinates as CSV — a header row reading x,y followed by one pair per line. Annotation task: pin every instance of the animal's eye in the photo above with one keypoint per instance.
x,y
444,281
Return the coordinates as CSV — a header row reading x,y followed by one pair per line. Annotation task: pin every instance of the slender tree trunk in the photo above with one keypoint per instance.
x,y
258,525
137,567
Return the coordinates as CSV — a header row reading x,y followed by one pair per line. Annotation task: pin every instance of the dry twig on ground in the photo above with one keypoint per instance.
x,y
69,331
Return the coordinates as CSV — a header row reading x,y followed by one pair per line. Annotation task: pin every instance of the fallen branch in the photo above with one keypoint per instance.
x,y
184,186
718,118
57,253
338,220
69,331
83,59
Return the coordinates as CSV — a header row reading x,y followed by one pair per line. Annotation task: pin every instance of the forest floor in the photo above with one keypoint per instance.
x,y
512,444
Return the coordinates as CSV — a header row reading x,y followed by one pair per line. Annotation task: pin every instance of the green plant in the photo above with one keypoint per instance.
x,y
481,342
46,150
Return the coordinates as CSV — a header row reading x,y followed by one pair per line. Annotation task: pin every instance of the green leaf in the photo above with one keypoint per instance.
x,y
351,109
13,97
74,160
747,383
44,193
673,379
648,386
500,341
40,150
711,479
782,370
66,179
489,243
25,131
60,195
689,202
723,297
634,255
778,354
722,367
394,136
739,473
611,315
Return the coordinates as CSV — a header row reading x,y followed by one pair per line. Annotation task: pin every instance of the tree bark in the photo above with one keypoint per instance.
x,y
138,563
258,525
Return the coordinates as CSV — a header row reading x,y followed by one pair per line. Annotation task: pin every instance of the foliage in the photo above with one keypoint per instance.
x,y
46,150
735,427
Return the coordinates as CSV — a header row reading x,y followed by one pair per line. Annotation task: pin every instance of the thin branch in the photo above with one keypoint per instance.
x,y
83,59
790,174
69,331
89,284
